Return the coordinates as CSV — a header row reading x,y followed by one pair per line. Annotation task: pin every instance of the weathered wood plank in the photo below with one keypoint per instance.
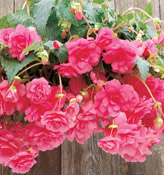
x,y
89,159
6,6
48,163
161,7
125,4
19,4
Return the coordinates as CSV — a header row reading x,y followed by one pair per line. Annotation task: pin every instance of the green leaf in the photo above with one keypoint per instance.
x,y
150,32
143,67
3,22
81,31
109,13
89,10
12,67
65,12
20,17
49,44
52,27
62,54
31,47
148,9
98,1
161,60
42,11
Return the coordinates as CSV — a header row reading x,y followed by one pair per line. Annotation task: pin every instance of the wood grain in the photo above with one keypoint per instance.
x,y
6,6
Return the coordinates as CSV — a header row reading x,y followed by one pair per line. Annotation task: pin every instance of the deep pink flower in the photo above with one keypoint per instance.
x,y
84,126
135,143
156,86
148,46
9,146
42,137
77,87
55,121
56,44
22,162
11,95
83,54
4,35
66,70
121,54
159,40
97,75
72,110
2,110
53,100
104,37
34,112
141,109
20,39
38,90
79,14
115,98
110,144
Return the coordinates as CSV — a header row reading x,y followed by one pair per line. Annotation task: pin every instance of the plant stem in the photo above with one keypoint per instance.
x,y
29,68
136,8
151,95
69,30
89,25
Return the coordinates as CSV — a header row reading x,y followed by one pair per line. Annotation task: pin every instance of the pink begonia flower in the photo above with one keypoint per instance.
x,y
135,144
42,137
11,95
72,111
149,119
104,37
53,100
56,121
22,162
156,86
143,48
77,87
144,107
9,146
117,120
159,39
34,112
115,98
79,14
22,104
97,75
38,90
20,39
110,144
83,54
148,46
4,35
66,70
84,126
121,54
2,107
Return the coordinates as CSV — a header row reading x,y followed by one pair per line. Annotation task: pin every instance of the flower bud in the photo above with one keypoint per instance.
x,y
63,35
157,23
57,44
158,122
79,14
44,56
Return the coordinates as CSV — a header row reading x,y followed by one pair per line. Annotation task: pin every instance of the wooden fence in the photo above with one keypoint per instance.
x,y
88,159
